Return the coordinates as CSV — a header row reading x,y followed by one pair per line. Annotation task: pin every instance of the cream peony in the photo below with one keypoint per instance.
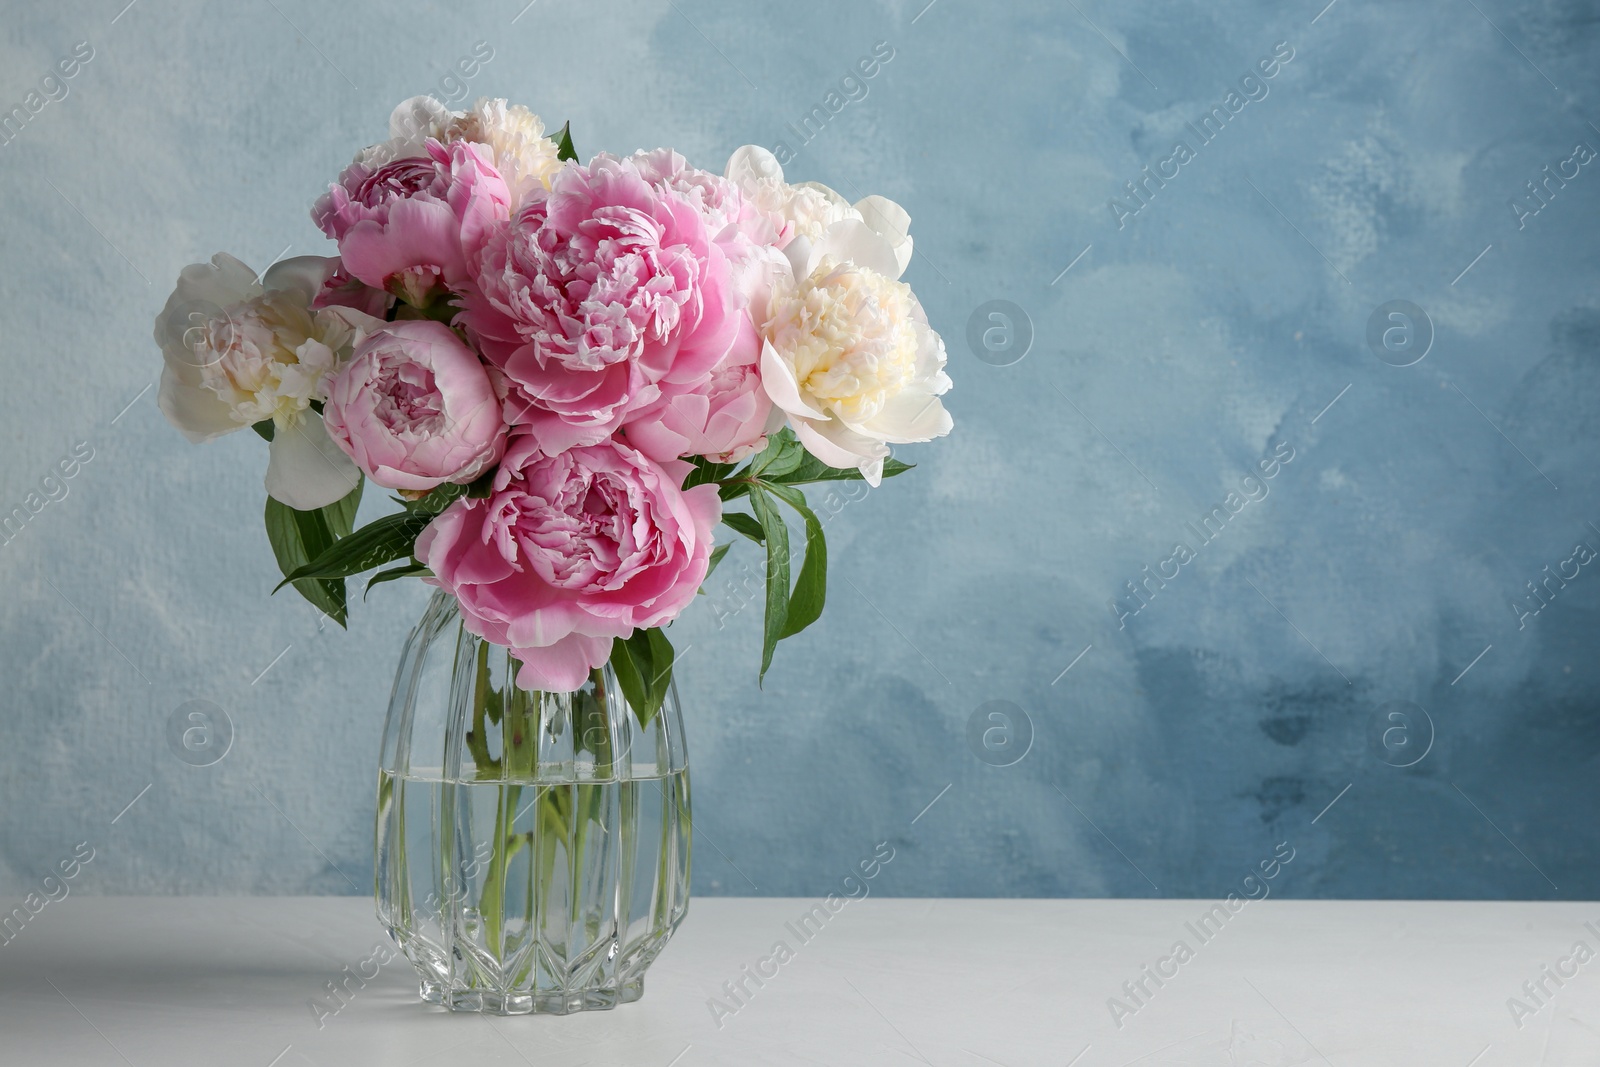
x,y
850,358
847,352
515,136
523,155
238,352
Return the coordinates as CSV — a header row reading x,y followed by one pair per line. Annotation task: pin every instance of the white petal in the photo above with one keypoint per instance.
x,y
225,280
902,254
823,448
342,328
872,471
196,411
890,221
856,242
756,275
204,290
418,118
798,255
839,444
913,415
778,379
303,274
307,470
839,204
885,217
751,164
930,352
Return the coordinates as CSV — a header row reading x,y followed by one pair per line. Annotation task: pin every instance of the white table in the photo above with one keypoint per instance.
x,y
171,982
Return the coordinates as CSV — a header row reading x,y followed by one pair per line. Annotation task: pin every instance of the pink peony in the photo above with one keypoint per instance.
x,y
716,198
571,551
725,417
607,289
414,408
411,225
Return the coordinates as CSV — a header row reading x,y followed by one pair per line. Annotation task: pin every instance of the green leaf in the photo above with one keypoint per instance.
x,y
436,501
341,514
783,454
643,666
739,522
563,140
406,571
296,538
705,472
811,469
378,542
659,677
892,467
481,486
629,676
716,557
777,534
265,428
811,585
443,496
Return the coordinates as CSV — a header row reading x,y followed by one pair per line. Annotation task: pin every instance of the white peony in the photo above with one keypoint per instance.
x,y
238,352
847,352
411,124
797,216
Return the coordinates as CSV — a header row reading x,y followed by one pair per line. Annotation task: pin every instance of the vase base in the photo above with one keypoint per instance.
x,y
493,1002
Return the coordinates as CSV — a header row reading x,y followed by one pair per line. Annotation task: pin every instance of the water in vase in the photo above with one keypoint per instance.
x,y
532,850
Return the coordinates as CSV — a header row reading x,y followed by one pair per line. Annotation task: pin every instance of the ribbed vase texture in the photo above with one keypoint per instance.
x,y
531,849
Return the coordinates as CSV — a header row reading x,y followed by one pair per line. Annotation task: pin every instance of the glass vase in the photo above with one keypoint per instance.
x,y
531,851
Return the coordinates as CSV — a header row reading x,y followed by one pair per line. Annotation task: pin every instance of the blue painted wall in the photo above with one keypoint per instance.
x,y
1202,328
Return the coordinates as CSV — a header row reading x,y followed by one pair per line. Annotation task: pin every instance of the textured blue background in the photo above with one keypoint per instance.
x,y
1216,325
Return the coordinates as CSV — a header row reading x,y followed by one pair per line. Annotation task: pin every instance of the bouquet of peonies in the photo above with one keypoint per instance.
x,y
565,371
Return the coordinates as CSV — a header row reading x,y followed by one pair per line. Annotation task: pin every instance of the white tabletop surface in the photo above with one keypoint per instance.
x,y
171,982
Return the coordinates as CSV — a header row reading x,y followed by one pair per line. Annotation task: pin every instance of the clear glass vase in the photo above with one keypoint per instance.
x,y
532,849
